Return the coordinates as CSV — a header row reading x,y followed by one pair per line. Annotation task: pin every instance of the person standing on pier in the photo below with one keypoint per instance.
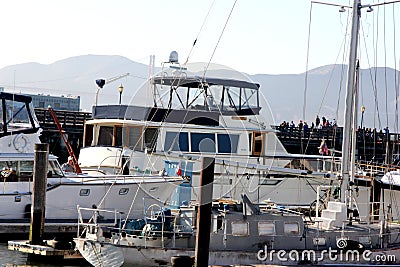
x,y
317,121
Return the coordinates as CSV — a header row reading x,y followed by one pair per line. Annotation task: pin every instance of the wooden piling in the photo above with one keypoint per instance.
x,y
40,166
204,212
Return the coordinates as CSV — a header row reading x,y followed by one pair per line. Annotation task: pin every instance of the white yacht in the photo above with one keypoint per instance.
x,y
19,132
194,113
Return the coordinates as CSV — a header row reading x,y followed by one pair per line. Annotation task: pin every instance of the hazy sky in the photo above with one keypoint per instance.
x,y
261,36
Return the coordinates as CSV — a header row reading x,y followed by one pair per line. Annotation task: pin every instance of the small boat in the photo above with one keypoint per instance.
x,y
241,234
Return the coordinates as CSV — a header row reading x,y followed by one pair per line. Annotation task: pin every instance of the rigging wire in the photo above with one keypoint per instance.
x,y
219,39
392,195
201,29
329,82
307,66
375,76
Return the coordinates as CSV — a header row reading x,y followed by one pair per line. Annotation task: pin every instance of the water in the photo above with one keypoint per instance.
x,y
11,258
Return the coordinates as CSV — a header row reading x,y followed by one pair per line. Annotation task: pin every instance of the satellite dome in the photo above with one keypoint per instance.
x,y
173,57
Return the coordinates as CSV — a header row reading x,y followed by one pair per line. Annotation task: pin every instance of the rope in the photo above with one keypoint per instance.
x,y
307,66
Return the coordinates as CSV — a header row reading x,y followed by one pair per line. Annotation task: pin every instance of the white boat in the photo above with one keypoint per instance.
x,y
245,234
192,115
19,132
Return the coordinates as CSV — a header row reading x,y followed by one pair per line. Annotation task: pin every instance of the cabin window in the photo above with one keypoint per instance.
x,y
123,191
105,136
134,138
16,112
175,141
249,98
250,141
150,139
319,241
88,135
266,228
227,143
118,136
240,228
292,228
269,181
53,169
84,192
231,98
258,140
202,142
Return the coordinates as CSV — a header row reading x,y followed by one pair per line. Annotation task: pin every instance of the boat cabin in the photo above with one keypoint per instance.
x,y
20,167
16,115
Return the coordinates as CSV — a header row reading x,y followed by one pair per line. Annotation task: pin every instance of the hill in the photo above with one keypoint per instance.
x,y
285,94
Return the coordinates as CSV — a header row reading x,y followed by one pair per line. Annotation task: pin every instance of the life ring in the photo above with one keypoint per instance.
x,y
20,142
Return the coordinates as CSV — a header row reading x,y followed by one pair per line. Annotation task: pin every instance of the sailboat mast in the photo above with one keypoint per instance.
x,y
349,103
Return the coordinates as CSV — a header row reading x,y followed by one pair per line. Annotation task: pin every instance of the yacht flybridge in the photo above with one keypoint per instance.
x,y
202,110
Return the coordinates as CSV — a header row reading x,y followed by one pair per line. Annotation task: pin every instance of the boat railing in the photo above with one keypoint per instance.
x,y
160,225
92,228
373,169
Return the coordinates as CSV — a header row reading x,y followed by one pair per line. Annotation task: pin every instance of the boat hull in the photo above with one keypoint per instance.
x,y
63,198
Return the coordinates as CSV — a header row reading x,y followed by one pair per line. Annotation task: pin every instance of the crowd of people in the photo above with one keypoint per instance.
x,y
368,134
320,123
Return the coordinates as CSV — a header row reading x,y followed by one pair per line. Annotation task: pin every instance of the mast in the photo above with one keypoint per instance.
x,y
348,127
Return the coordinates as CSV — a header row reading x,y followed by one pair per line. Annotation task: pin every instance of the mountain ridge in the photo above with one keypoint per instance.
x,y
284,92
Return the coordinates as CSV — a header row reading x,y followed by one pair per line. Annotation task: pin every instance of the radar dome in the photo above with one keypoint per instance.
x,y
173,57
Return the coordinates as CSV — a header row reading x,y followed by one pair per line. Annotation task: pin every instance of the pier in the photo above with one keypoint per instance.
x,y
72,123
372,146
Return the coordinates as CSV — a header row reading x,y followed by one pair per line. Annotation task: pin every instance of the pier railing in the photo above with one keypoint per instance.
x,y
68,119
372,145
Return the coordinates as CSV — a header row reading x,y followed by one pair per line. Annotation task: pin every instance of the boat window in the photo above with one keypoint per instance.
x,y
123,191
16,116
291,228
258,140
240,228
88,135
8,170
105,136
54,169
16,112
84,192
134,138
118,136
227,143
175,141
150,139
202,142
249,98
250,141
266,228
231,98
269,182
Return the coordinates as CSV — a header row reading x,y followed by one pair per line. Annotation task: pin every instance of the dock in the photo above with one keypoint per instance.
x,y
49,228
43,250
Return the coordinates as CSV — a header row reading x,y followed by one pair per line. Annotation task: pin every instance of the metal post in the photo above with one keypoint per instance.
x,y
39,193
349,103
204,212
